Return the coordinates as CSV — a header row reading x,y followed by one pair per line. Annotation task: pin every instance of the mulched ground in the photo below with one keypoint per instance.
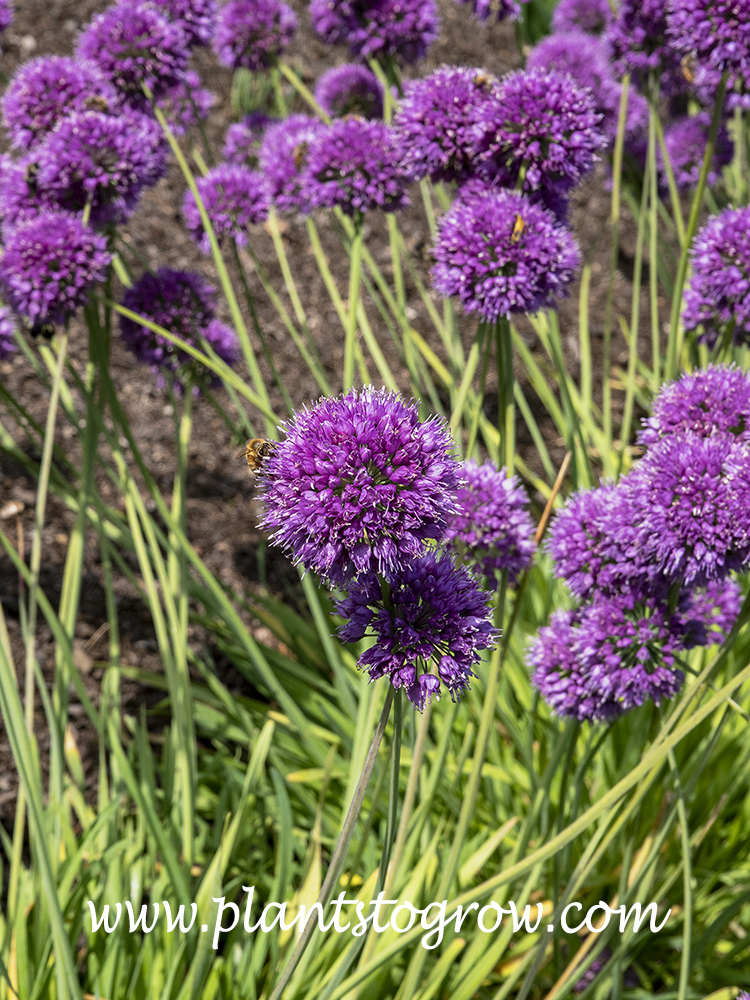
x,y
222,512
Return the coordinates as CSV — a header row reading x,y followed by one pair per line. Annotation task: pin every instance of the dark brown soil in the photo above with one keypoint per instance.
x,y
221,508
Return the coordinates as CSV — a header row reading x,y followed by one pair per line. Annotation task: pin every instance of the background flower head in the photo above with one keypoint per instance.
x,y
234,198
713,400
359,484
283,157
350,89
433,612
253,33
497,265
591,16
502,10
195,17
242,140
402,28
686,141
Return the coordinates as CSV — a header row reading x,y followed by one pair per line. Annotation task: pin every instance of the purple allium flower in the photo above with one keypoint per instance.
x,y
504,9
434,122
640,44
7,332
350,90
359,484
492,528
431,611
135,45
106,159
691,506
591,16
713,400
593,543
46,89
686,142
542,122
402,28
6,14
717,298
234,198
585,58
253,33
355,164
187,103
607,657
283,156
182,303
195,17
48,266
497,265
708,614
20,197
242,140
715,32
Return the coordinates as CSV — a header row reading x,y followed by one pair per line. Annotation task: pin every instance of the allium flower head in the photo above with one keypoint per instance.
x,y
283,156
591,16
402,28
686,142
7,333
492,528
135,44
435,122
359,484
44,90
499,265
504,9
715,32
20,197
182,303
234,198
691,501
253,33
640,43
6,14
242,140
543,122
49,265
713,400
435,612
585,58
195,17
350,90
103,158
187,103
717,298
355,164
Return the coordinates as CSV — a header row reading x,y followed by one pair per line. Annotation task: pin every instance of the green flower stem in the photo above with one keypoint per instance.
x,y
355,264
506,405
278,93
676,331
339,852
304,92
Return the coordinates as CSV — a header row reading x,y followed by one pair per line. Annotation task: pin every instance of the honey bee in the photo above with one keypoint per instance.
x,y
97,103
688,68
300,155
32,169
483,80
518,227
255,451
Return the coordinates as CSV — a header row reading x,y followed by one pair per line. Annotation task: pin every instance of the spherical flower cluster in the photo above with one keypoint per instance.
x,y
492,528
182,303
585,58
253,33
187,103
691,500
20,197
715,32
713,400
46,89
7,333
350,90
504,9
540,123
592,16
717,299
686,142
101,159
135,45
355,164
283,156
640,44
359,485
195,17
48,266
500,254
432,612
234,199
242,140
402,28
435,123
